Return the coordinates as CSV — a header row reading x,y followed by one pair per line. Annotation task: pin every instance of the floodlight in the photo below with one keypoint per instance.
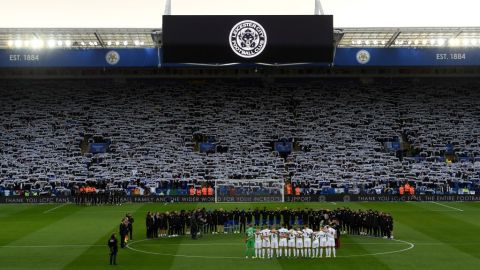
x,y
51,43
37,43
453,42
18,43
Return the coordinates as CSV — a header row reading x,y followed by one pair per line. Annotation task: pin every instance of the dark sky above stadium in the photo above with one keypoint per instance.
x,y
146,13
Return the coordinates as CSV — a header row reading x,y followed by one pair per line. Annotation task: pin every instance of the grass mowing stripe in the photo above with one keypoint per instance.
x,y
444,239
440,226
9,210
27,221
66,230
92,257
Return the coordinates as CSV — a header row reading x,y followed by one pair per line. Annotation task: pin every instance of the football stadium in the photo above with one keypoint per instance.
x,y
273,134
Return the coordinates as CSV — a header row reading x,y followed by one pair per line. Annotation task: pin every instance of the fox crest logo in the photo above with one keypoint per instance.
x,y
248,39
112,57
363,57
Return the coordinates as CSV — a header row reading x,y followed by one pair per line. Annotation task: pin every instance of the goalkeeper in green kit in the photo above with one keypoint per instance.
x,y
250,241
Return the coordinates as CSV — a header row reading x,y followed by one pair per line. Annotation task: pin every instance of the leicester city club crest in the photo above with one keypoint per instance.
x,y
363,57
112,57
248,39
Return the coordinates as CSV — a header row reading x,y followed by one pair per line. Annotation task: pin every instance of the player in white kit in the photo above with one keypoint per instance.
x,y
266,250
283,234
274,243
307,242
331,234
323,241
299,243
258,244
315,244
291,251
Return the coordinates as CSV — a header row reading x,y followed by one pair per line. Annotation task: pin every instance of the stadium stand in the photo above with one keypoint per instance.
x,y
163,137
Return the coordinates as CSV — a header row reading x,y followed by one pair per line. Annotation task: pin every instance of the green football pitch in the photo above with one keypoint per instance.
x,y
427,235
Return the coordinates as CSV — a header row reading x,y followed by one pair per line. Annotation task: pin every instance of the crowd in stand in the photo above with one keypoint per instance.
x,y
346,136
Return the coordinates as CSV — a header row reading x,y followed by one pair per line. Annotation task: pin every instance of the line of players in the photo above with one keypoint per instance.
x,y
293,243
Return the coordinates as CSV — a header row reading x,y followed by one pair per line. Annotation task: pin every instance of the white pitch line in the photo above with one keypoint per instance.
x,y
410,246
334,203
53,246
441,204
240,244
400,242
50,210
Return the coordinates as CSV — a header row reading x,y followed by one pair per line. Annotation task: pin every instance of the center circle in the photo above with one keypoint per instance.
x,y
405,246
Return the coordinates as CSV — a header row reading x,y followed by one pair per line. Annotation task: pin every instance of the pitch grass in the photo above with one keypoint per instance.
x,y
74,237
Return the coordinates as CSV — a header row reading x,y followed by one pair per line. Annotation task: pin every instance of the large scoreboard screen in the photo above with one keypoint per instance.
x,y
268,39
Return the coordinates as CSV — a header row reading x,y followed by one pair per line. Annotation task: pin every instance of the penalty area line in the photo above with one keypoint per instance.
x,y
55,208
447,206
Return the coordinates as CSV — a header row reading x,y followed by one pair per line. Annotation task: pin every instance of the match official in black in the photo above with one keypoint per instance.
x,y
130,225
123,232
113,246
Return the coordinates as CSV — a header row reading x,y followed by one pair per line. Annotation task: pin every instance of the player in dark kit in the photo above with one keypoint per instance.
x,y
113,246
243,220
149,224
336,226
286,218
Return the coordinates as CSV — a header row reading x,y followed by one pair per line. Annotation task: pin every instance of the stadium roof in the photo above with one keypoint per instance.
x,y
411,37
77,38
147,13
145,38
428,13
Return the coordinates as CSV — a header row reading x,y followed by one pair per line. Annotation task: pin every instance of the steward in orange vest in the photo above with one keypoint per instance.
x,y
297,191
289,189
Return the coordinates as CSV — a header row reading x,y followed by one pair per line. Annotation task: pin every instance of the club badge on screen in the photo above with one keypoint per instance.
x,y
248,39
